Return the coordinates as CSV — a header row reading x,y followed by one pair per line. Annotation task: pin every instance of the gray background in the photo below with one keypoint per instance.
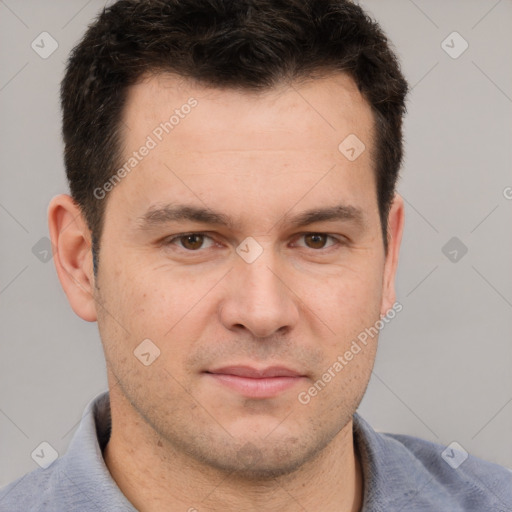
x,y
443,370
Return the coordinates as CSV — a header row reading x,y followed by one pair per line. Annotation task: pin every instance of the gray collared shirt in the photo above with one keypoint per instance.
x,y
401,473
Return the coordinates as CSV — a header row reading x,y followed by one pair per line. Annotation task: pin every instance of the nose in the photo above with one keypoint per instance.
x,y
258,299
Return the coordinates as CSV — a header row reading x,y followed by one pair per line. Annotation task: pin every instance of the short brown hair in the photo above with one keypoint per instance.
x,y
243,44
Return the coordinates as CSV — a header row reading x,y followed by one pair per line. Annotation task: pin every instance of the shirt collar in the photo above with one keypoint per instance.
x,y
385,463
83,465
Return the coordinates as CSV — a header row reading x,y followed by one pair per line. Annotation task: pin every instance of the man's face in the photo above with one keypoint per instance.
x,y
269,255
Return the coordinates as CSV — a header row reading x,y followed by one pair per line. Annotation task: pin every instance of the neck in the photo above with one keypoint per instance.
x,y
155,476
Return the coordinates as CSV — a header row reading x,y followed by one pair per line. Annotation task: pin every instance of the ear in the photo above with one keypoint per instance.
x,y
71,240
395,230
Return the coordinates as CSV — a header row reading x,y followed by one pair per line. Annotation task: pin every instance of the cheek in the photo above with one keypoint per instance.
x,y
168,307
346,302
350,306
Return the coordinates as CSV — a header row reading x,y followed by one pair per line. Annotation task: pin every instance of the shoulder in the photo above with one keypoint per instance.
x,y
70,484
473,484
77,481
38,491
409,473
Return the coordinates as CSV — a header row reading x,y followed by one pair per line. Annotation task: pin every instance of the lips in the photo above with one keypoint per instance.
x,y
253,373
256,383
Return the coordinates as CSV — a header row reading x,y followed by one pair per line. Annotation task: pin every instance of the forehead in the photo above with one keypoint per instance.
x,y
271,143
316,111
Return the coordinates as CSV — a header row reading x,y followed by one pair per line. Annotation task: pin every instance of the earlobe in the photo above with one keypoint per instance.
x,y
71,240
395,230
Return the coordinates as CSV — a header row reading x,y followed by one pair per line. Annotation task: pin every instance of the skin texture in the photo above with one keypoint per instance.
x,y
180,439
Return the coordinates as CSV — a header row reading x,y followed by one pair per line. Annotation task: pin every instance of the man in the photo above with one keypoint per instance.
x,y
233,228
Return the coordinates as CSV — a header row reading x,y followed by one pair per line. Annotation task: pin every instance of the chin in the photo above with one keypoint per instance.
x,y
260,460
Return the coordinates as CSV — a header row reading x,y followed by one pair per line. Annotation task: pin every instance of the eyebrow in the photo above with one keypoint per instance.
x,y
333,213
160,215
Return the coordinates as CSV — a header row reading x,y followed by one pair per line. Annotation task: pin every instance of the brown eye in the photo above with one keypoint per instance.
x,y
315,240
192,242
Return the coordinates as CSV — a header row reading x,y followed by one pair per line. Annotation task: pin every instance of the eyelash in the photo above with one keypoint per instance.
x,y
337,241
